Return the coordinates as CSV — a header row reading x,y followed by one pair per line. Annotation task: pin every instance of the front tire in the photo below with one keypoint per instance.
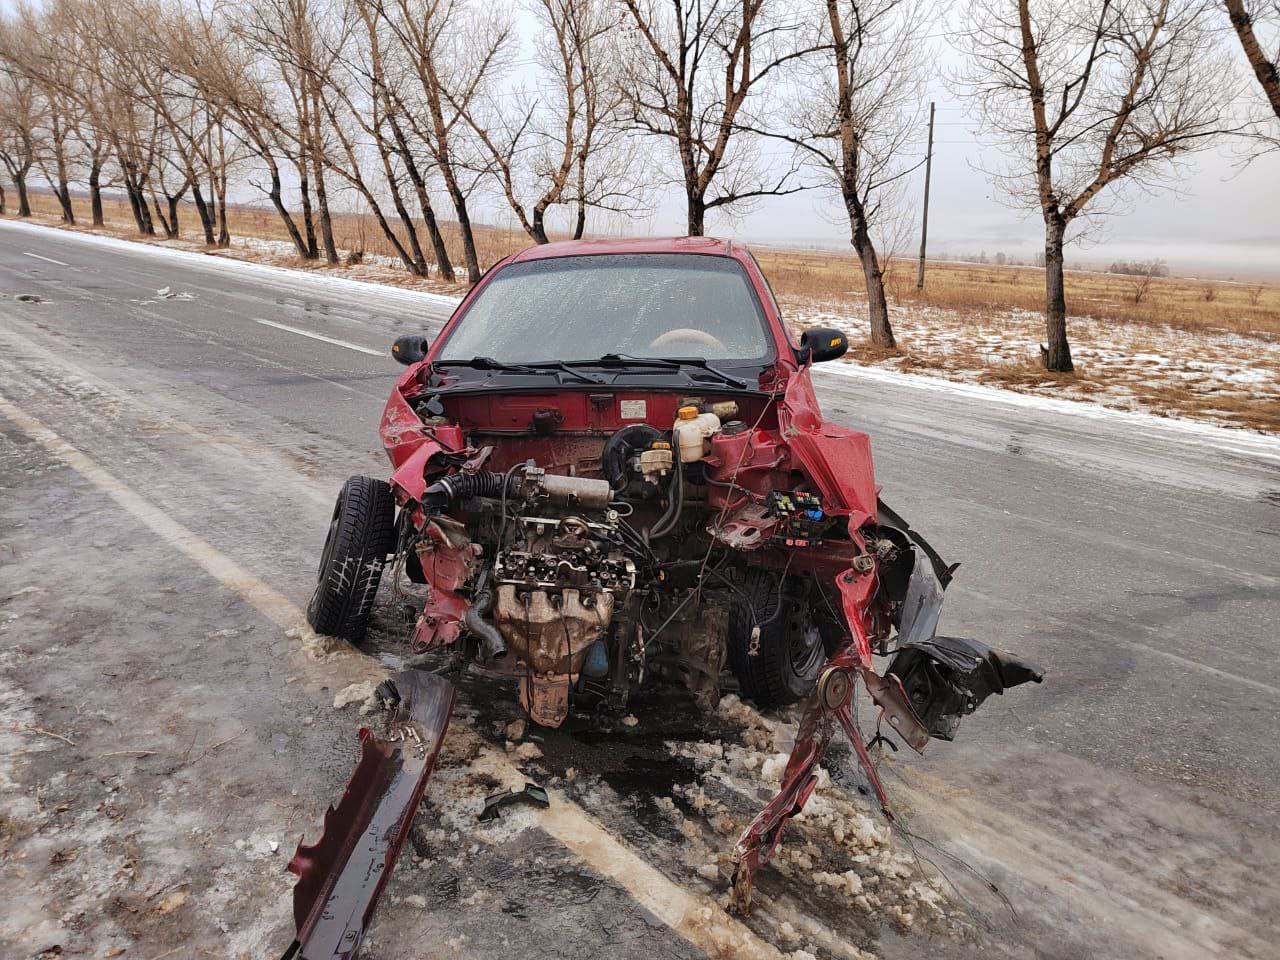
x,y
781,666
361,537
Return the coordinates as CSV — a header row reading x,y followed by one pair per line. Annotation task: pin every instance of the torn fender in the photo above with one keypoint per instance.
x,y
836,459
341,876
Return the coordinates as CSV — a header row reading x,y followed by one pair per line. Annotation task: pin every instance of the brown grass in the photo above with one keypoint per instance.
x,y
947,328
980,288
835,277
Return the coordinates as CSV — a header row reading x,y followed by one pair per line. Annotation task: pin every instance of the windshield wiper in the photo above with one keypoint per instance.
x,y
488,363
549,365
669,363
484,363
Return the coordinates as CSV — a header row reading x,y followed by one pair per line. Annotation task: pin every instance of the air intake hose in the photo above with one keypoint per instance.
x,y
462,486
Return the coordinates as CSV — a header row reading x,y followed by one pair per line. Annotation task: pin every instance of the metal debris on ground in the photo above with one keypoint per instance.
x,y
493,804
341,876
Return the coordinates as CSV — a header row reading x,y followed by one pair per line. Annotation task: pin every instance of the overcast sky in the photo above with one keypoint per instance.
x,y
1223,217
1220,215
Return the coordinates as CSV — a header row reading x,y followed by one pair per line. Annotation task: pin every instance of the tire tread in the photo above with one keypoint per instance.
x,y
364,537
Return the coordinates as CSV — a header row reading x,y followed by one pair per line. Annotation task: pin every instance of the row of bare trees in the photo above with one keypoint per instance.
x,y
318,105
420,112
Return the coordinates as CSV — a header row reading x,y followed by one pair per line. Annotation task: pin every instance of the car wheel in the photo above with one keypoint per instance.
x,y
360,538
781,666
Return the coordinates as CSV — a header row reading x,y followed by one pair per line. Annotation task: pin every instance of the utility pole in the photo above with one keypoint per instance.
x,y
924,225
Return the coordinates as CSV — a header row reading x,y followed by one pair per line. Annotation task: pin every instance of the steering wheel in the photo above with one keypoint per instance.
x,y
686,335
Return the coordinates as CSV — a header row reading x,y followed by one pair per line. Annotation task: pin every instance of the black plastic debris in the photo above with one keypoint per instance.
x,y
532,793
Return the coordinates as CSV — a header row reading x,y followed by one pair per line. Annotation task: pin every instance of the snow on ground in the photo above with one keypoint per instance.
x,y
837,853
1222,378
248,255
1219,379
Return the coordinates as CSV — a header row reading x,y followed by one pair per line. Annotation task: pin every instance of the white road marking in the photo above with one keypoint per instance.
x,y
45,259
273,605
319,336
695,917
1203,667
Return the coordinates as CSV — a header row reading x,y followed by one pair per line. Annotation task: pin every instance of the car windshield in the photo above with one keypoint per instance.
x,y
640,305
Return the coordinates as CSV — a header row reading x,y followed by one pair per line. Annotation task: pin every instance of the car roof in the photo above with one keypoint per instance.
x,y
582,248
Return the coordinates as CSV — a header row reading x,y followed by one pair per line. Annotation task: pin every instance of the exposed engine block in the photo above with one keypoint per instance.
x,y
558,579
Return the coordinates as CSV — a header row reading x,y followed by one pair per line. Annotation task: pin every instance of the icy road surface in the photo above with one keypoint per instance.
x,y
173,429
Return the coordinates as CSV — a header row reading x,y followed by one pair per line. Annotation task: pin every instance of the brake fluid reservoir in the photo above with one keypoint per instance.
x,y
691,431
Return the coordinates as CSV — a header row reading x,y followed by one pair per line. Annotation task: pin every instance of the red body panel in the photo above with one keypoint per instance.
x,y
836,460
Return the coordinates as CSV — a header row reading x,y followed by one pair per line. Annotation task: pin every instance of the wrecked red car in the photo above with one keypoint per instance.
x,y
610,469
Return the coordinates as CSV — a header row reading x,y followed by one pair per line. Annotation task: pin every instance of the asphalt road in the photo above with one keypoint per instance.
x,y
1128,807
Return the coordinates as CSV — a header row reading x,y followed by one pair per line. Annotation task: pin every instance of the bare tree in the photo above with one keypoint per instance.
x,y
1247,16
539,141
863,85
380,67
20,114
1087,94
450,47
285,34
695,66
1140,275
55,79
236,87
73,61
610,175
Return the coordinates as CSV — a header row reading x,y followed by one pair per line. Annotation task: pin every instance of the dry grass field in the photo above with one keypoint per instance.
x,y
1249,308
1208,349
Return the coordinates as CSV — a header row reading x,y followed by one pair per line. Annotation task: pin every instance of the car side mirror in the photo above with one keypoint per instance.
x,y
410,348
819,344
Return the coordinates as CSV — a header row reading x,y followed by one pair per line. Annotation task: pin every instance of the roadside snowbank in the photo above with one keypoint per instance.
x,y
1260,376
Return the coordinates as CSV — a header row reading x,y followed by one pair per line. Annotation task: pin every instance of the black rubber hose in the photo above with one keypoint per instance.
x,y
492,646
671,516
461,486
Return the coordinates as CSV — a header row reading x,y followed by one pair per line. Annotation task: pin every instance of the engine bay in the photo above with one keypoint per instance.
x,y
591,560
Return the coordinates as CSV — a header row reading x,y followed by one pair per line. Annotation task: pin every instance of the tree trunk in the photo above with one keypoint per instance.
x,y
1057,355
63,192
580,225
2,210
202,210
326,221
464,222
308,218
24,202
170,223
538,229
164,224
61,189
416,262
95,194
218,183
878,307
135,204
418,268
224,231
138,205
277,201
1265,70
697,213
443,264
